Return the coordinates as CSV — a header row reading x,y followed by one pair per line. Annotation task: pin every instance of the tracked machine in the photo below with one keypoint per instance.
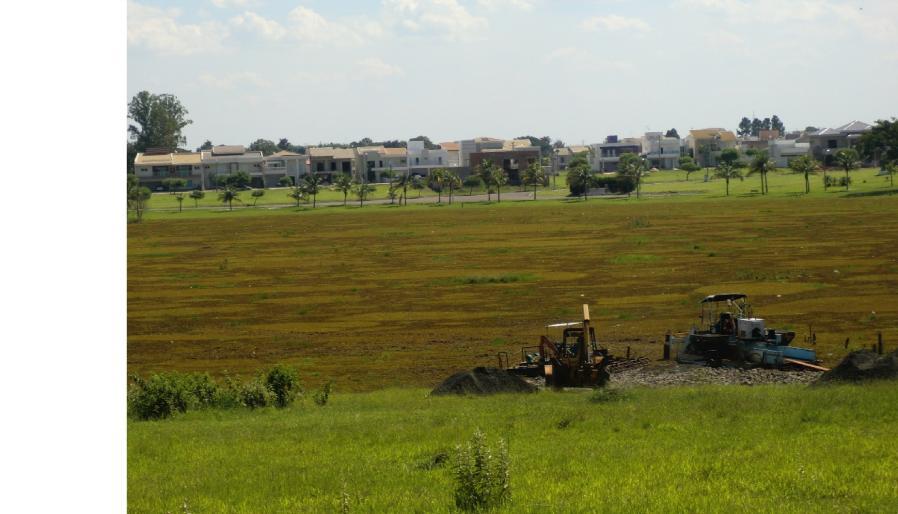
x,y
730,332
573,360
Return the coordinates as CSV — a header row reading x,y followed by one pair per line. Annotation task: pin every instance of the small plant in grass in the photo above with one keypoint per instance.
x,y
481,478
606,395
256,194
322,396
255,394
283,383
197,195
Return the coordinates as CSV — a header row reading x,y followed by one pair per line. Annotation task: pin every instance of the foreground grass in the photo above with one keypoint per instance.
x,y
697,449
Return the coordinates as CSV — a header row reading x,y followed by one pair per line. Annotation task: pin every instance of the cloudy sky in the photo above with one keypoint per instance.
x,y
318,70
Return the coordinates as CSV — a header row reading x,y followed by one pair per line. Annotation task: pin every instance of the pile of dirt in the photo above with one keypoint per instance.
x,y
863,365
483,381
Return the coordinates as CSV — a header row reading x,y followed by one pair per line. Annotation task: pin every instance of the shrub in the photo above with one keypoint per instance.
x,y
481,480
614,183
830,181
844,181
228,396
162,395
323,395
254,394
283,383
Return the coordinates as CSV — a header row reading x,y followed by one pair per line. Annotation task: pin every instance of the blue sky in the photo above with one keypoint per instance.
x,y
317,71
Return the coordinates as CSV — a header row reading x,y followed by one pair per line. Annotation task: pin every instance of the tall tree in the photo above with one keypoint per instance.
x,y
744,127
284,144
157,121
343,183
207,145
728,171
311,185
264,145
848,160
777,124
881,142
633,167
805,165
766,124
672,133
534,176
761,165
756,126
688,165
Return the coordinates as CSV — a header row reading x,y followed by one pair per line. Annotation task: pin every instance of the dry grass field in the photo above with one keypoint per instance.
x,y
389,296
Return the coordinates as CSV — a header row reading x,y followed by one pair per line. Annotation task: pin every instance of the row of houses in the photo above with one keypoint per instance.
x,y
705,146
200,170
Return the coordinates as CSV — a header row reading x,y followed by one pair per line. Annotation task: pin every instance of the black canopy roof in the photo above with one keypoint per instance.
x,y
723,297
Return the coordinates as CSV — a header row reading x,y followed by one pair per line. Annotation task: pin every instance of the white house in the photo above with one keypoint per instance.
x,y
661,151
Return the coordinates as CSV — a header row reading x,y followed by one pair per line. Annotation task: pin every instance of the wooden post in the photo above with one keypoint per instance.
x,y
846,342
628,352
666,355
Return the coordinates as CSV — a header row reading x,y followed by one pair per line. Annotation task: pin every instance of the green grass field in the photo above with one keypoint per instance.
x,y
697,449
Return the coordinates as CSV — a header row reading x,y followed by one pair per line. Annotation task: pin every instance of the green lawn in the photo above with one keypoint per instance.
x,y
703,449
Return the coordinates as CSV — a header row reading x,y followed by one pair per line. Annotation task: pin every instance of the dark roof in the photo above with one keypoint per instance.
x,y
724,297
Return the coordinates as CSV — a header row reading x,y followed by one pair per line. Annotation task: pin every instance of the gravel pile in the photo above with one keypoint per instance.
x,y
684,374
863,365
484,381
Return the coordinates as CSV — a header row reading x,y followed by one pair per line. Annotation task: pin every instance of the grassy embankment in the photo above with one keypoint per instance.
x,y
697,449
392,296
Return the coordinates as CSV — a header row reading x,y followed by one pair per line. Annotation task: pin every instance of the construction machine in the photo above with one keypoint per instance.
x,y
730,332
574,360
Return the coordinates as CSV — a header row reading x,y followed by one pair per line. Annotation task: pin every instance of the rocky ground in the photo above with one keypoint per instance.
x,y
687,374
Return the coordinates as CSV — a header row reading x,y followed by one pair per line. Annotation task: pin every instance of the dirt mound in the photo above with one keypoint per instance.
x,y
863,365
483,381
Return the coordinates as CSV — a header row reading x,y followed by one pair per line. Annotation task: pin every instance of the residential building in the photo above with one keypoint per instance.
x,y
327,161
783,151
563,156
284,163
156,165
375,160
423,160
223,160
826,143
513,156
705,145
606,155
662,152
453,153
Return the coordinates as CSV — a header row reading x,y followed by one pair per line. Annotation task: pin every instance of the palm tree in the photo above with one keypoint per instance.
x,y
228,195
728,170
197,195
438,178
180,198
579,176
362,189
761,165
343,183
296,193
485,170
633,167
806,165
534,176
499,179
453,181
311,184
848,160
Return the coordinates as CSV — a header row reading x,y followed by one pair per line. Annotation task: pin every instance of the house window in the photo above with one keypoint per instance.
x,y
370,164
417,160
347,167
832,143
439,160
380,164
333,166
319,166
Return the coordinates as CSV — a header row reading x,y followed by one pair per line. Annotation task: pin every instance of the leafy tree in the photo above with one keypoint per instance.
x,y
777,124
633,167
544,143
688,165
498,178
174,183
766,124
238,180
228,195
453,182
343,183
672,133
438,178
131,155
891,168
285,181
180,198
256,194
485,171
762,165
138,196
805,165
284,144
197,195
297,193
579,176
881,142
756,126
311,184
472,181
729,156
558,144
264,145
728,171
207,145
428,144
158,121
534,176
744,127
362,190
811,128
848,160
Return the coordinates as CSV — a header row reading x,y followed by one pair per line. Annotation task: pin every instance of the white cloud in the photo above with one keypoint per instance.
x,y
495,5
376,68
158,30
223,4
231,81
268,29
613,22
447,18
310,27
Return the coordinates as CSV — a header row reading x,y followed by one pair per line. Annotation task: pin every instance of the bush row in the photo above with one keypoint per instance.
x,y
616,184
162,395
